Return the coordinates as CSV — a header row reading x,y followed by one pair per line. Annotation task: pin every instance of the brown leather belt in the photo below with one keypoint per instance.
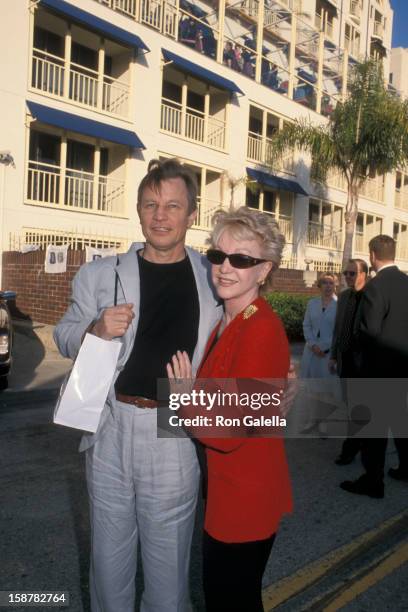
x,y
136,400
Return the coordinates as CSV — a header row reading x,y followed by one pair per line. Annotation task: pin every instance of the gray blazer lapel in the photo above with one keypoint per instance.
x,y
129,292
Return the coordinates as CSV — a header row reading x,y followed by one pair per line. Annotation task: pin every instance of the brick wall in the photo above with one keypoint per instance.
x,y
41,297
44,297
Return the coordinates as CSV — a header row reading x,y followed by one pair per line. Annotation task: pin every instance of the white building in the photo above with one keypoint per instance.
x,y
92,90
399,70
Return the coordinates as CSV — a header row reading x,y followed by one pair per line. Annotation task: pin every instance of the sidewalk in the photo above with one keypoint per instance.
x,y
37,364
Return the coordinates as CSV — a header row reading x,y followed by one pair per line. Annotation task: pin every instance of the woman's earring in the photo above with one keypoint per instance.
x,y
261,282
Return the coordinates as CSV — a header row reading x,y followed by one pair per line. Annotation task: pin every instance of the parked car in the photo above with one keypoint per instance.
x,y
6,339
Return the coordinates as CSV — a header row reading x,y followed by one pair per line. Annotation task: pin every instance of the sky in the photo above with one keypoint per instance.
x,y
400,27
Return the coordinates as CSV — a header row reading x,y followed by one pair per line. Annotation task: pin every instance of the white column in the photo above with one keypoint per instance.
x,y
183,107
100,103
292,55
206,114
63,168
97,161
221,22
67,61
259,39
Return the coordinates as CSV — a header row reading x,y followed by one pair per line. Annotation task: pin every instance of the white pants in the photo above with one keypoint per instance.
x,y
140,487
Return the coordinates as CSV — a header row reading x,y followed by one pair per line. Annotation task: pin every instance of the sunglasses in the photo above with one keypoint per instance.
x,y
349,273
237,260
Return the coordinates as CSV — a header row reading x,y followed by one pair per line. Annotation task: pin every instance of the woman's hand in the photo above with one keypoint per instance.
x,y
180,373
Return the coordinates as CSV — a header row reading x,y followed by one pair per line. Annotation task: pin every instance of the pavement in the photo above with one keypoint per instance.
x,y
37,364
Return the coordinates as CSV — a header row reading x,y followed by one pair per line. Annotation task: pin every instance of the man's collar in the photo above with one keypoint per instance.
x,y
390,265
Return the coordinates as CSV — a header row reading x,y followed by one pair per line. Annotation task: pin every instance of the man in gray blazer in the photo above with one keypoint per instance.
x,y
141,487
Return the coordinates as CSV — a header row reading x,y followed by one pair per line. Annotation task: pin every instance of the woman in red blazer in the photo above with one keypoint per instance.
x,y
248,480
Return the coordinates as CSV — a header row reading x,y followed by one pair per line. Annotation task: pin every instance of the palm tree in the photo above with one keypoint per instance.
x,y
367,134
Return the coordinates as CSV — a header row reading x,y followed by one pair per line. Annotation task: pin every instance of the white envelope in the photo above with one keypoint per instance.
x,y
83,395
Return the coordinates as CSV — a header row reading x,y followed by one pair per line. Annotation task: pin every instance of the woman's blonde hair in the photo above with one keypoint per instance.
x,y
331,275
247,224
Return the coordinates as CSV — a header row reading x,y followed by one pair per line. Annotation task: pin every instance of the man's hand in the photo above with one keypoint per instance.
x,y
114,322
332,365
317,351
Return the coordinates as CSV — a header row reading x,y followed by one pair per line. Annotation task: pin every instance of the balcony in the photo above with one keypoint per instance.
x,y
378,29
83,85
360,242
127,7
352,46
373,188
355,9
286,227
162,15
70,189
401,199
205,211
192,124
259,149
321,235
402,250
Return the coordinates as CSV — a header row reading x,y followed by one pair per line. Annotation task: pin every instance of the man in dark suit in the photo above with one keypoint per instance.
x,y
345,353
383,327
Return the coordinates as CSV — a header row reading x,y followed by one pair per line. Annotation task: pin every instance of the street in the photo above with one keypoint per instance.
x,y
336,551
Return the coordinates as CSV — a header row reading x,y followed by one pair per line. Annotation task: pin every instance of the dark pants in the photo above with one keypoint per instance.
x,y
349,369
232,574
391,416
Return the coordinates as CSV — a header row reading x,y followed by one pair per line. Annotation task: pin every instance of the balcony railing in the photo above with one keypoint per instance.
x,y
355,9
128,7
74,189
360,243
48,74
402,250
401,200
206,208
192,124
378,29
373,188
260,150
162,15
286,227
325,236
352,46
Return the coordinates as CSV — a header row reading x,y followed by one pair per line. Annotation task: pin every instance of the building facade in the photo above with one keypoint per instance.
x,y
94,89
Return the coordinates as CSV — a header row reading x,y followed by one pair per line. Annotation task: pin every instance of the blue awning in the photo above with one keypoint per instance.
x,y
95,23
96,129
276,182
201,73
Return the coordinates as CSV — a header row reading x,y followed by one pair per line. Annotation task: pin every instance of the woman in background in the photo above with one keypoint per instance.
x,y
248,480
318,328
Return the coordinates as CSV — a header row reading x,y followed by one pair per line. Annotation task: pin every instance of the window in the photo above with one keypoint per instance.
x,y
261,128
325,228
276,203
192,109
400,235
367,226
